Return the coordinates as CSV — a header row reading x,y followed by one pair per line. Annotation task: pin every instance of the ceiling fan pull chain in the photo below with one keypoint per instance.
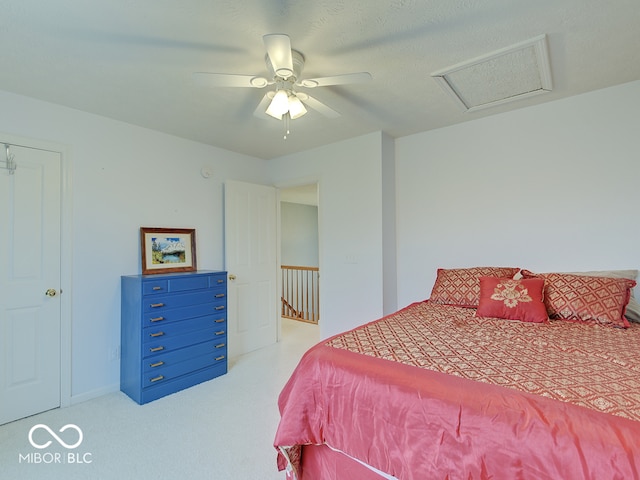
x,y
286,117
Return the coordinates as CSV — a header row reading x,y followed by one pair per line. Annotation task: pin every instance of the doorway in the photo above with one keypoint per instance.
x,y
299,253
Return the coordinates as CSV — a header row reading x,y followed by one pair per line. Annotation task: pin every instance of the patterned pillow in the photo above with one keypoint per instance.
x,y
512,299
633,307
586,298
461,286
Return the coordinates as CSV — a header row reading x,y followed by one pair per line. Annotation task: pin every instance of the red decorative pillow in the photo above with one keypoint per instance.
x,y
586,298
512,299
461,286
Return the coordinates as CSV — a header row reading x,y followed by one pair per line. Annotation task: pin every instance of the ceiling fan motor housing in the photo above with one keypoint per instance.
x,y
298,66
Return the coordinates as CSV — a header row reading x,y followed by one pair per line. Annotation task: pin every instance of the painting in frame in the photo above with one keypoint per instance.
x,y
168,250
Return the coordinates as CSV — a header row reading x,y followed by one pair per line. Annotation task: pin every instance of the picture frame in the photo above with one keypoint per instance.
x,y
167,250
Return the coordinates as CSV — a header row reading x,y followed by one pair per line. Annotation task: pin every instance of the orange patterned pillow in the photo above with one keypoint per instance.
x,y
512,299
461,286
586,298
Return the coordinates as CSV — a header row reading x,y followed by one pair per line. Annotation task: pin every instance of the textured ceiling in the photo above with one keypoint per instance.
x,y
132,60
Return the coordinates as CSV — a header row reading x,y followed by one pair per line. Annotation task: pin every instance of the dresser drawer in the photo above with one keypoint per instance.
x,y
188,283
218,281
167,344
155,303
158,363
162,316
155,287
165,332
187,366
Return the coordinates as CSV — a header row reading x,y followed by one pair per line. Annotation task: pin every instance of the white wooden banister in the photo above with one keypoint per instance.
x,y
301,293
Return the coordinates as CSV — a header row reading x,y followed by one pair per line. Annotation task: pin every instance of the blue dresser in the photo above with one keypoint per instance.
x,y
173,332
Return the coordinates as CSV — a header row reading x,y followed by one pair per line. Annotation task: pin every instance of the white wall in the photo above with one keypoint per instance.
x,y
124,177
551,187
299,234
350,226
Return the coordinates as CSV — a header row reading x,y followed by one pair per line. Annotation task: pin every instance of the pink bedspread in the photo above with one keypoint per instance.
x,y
431,392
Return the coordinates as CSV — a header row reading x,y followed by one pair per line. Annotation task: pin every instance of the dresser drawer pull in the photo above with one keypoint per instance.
x,y
220,345
156,334
220,295
156,305
156,288
221,357
157,364
221,307
157,319
156,349
157,379
221,332
219,320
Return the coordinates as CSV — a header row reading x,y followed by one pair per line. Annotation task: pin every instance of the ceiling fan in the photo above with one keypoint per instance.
x,y
284,66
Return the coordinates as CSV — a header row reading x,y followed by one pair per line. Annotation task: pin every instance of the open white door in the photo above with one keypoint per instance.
x,y
30,311
251,263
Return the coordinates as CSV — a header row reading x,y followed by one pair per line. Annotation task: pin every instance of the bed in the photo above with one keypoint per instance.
x,y
439,391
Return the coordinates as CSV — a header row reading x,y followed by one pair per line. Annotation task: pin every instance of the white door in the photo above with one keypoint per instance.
x,y
29,267
251,263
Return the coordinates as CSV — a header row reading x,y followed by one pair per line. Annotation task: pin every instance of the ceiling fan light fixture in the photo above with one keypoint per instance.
x,y
274,115
279,105
296,107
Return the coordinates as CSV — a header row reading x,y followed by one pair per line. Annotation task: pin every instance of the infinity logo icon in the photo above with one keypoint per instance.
x,y
53,434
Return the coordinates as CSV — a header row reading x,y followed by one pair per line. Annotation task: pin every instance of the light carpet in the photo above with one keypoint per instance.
x,y
222,429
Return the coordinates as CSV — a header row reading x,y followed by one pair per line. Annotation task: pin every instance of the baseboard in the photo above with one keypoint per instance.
x,y
98,392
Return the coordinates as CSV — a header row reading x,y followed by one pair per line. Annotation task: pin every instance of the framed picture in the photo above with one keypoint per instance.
x,y
167,250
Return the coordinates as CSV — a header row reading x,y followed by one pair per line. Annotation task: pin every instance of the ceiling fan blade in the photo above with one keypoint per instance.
x,y
317,105
345,79
261,109
228,80
278,46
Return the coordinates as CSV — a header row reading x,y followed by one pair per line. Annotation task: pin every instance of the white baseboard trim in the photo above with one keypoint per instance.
x,y
98,392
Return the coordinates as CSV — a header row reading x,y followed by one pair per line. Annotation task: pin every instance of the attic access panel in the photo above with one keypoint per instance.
x,y
512,73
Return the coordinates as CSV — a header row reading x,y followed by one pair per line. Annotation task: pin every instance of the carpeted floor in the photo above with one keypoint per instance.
x,y
219,430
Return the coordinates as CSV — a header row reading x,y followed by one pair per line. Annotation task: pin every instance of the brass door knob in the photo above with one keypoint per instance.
x,y
232,277
52,292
